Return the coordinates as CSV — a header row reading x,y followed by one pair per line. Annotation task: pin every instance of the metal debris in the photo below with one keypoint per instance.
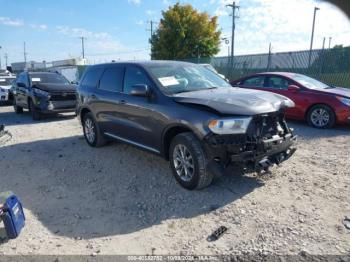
x,y
217,234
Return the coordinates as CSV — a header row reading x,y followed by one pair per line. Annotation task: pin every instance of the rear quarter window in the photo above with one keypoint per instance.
x,y
91,78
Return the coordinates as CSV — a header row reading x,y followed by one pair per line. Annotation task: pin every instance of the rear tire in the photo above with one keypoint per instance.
x,y
18,109
189,162
33,111
321,116
92,133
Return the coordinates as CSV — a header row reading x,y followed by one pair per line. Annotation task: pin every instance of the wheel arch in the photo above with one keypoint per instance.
x,y
83,112
169,133
318,104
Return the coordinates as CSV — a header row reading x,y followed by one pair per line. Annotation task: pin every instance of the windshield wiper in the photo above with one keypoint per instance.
x,y
194,90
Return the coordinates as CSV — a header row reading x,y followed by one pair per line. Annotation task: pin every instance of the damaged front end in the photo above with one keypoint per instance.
x,y
267,141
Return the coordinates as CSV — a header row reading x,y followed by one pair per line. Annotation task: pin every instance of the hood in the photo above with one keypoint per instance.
x,y
55,87
236,101
336,91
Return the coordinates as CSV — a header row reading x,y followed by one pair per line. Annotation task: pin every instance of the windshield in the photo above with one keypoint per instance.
x,y
310,82
6,81
180,78
48,78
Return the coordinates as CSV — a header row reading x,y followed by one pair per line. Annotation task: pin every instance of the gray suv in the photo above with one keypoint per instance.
x,y
187,114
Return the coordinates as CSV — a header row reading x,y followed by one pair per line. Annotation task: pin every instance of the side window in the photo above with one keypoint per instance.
x,y
277,82
22,78
112,79
257,81
134,76
91,77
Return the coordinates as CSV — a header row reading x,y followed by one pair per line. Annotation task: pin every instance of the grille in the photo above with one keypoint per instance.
x,y
267,125
62,96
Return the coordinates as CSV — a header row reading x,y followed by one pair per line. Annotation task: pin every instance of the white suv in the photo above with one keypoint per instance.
x,y
5,85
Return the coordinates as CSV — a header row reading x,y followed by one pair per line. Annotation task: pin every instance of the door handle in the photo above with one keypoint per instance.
x,y
93,96
122,102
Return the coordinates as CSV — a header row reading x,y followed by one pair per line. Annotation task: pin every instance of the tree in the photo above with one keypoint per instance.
x,y
184,33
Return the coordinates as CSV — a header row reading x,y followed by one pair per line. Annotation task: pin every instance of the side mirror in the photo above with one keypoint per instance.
x,y
139,90
20,84
293,88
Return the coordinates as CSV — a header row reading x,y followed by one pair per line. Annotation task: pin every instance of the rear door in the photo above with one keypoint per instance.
x,y
107,98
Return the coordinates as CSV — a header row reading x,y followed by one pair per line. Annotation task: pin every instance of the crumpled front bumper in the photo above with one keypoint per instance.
x,y
255,156
270,152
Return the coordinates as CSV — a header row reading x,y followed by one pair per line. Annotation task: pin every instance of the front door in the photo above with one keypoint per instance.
x,y
139,118
279,85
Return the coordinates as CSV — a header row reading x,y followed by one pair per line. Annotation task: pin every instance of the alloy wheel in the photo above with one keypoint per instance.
x,y
183,162
89,130
320,117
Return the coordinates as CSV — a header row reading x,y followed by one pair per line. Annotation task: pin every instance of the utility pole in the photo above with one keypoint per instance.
x,y
6,57
322,55
234,7
329,42
324,41
312,34
152,23
269,60
82,46
25,53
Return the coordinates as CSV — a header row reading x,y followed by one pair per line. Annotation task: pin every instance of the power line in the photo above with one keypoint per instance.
x,y
118,53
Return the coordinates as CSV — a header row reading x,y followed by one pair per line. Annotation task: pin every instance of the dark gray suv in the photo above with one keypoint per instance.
x,y
187,114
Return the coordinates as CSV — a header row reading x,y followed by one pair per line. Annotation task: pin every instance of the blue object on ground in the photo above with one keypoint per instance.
x,y
11,213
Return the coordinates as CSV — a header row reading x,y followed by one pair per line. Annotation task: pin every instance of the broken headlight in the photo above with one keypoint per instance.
x,y
40,92
226,126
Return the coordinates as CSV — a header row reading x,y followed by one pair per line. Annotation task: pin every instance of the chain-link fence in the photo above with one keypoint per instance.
x,y
331,66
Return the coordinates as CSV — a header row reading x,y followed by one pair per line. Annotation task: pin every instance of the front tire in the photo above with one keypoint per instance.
x,y
18,109
33,111
92,133
189,162
321,116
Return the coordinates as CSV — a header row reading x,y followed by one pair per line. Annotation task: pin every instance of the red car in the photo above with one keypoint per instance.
x,y
321,105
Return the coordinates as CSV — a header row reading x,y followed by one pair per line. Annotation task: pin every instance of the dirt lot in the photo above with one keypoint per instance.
x,y
120,200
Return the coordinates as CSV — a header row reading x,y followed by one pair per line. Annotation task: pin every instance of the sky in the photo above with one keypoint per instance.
x,y
119,29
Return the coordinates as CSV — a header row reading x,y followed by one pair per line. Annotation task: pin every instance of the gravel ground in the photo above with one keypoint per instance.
x,y
120,200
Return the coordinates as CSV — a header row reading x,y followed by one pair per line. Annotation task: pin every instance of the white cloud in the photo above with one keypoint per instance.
x,y
35,26
140,23
10,22
223,9
286,24
79,32
101,46
151,12
135,2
